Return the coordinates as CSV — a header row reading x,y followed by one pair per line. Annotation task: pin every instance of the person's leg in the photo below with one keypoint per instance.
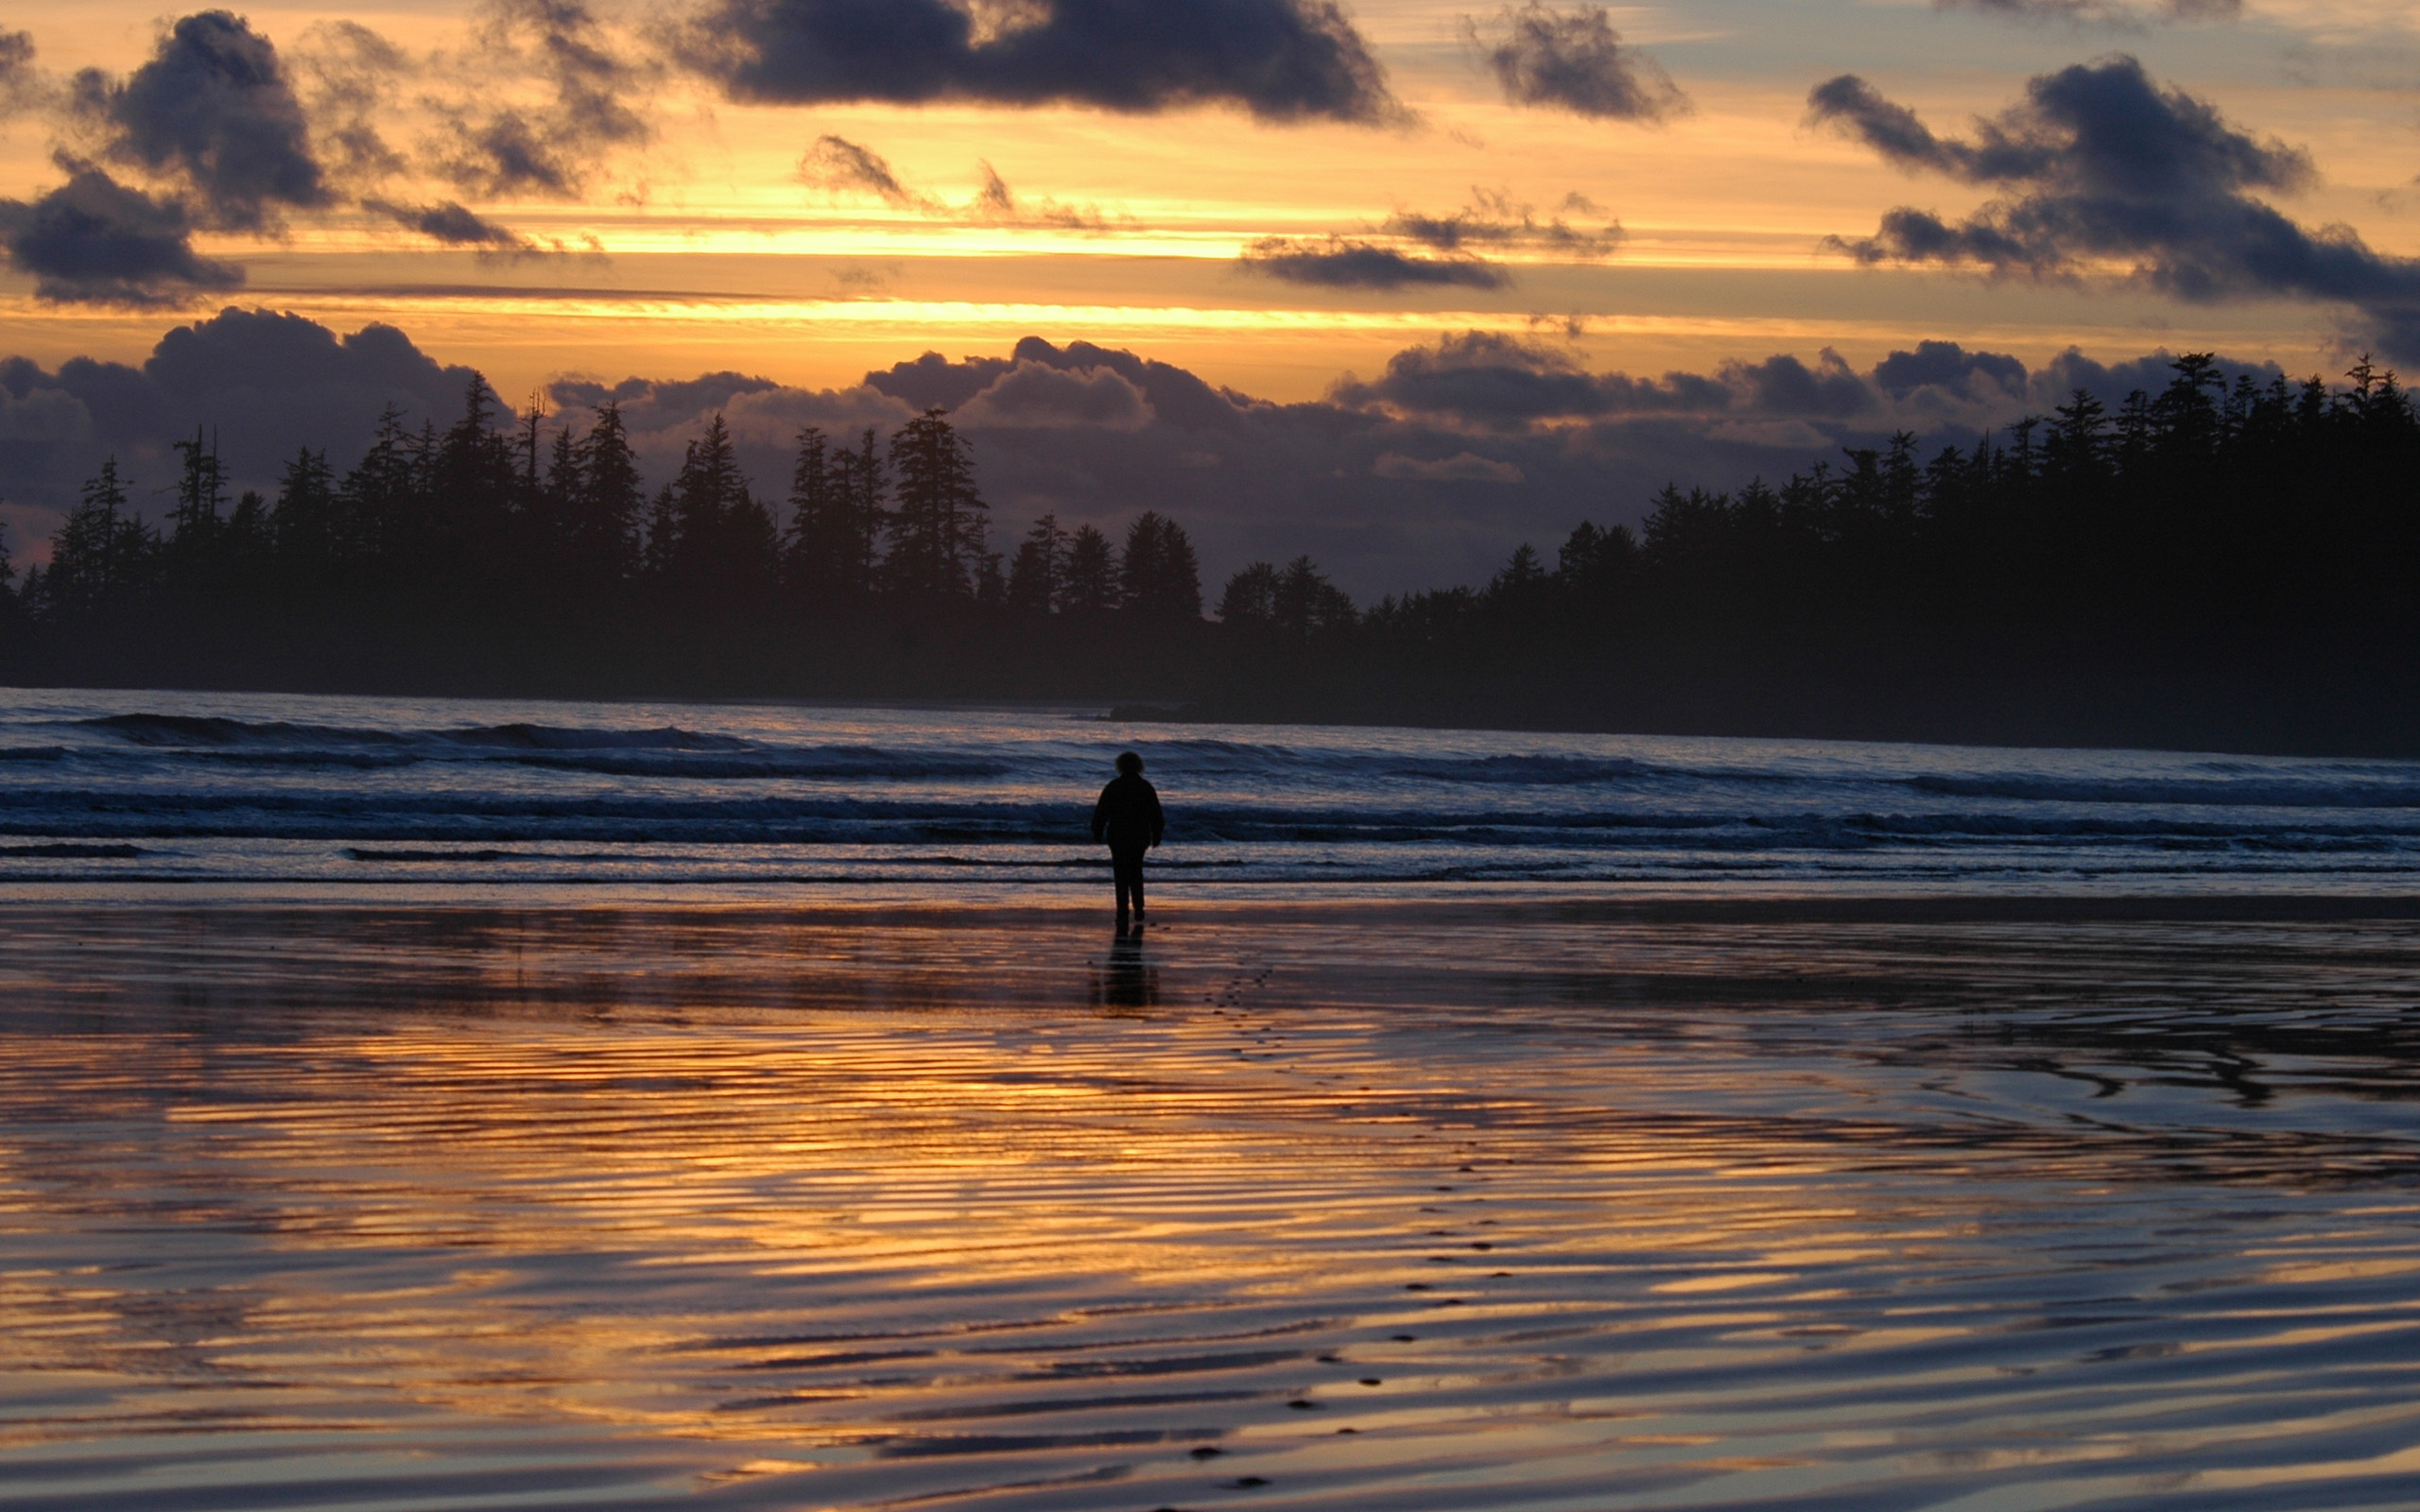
x,y
1128,868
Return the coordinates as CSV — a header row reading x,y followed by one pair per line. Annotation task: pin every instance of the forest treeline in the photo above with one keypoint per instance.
x,y
2222,563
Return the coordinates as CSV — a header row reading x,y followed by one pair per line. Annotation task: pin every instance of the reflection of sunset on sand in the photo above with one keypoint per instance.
x,y
1377,1207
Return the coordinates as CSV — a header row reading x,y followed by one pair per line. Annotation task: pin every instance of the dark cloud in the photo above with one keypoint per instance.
x,y
1949,367
1413,247
995,204
1574,61
352,73
1282,59
839,165
1462,466
213,109
1343,262
1034,395
2099,164
554,148
1490,381
1494,220
2105,12
1175,396
454,226
21,83
94,240
1784,385
263,384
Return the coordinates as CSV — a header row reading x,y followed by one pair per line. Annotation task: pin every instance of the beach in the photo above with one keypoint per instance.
x,y
1576,1203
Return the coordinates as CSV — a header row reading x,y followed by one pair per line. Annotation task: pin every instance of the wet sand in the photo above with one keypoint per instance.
x,y
1569,1204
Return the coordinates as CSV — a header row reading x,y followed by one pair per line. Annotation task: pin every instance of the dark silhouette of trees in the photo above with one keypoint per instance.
x,y
1157,573
1089,583
2223,562
837,518
1038,576
938,519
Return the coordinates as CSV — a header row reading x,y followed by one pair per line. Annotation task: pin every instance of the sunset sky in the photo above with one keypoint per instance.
x,y
1272,194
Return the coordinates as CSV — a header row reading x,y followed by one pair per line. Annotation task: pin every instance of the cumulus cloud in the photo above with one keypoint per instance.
x,y
1952,369
1572,60
1038,395
454,226
213,107
2099,164
1462,466
94,240
1281,60
1490,381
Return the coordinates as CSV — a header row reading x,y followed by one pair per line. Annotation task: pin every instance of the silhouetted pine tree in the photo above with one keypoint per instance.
x,y
612,497
938,518
1090,585
1158,574
304,526
1037,576
102,558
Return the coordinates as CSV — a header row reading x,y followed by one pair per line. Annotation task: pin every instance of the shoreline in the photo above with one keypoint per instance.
x,y
457,899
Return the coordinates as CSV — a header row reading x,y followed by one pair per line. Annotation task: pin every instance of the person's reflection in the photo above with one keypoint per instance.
x,y
1128,980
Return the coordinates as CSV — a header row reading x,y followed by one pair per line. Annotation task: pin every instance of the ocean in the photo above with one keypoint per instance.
x,y
318,796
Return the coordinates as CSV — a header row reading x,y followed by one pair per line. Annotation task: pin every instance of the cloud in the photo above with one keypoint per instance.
x,y
1281,60
997,205
2112,13
1342,262
94,240
1462,466
264,383
213,107
839,165
1494,381
1493,220
454,226
1402,249
22,86
2097,164
1784,385
350,72
552,146
1036,395
1176,397
1949,367
1573,60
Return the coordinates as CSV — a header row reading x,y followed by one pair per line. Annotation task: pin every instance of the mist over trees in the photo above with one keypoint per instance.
x,y
2219,564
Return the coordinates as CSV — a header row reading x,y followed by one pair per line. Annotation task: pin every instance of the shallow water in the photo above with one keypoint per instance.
x,y
1477,1208
312,795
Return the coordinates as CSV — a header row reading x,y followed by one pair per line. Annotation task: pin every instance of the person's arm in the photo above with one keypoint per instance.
x,y
1159,824
1100,813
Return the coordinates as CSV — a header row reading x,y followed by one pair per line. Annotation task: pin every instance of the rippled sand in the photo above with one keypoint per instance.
x,y
1458,1208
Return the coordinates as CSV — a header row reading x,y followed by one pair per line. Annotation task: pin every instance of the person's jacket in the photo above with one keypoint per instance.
x,y
1128,814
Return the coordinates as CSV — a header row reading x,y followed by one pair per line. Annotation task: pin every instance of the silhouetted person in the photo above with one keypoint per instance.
x,y
1128,816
